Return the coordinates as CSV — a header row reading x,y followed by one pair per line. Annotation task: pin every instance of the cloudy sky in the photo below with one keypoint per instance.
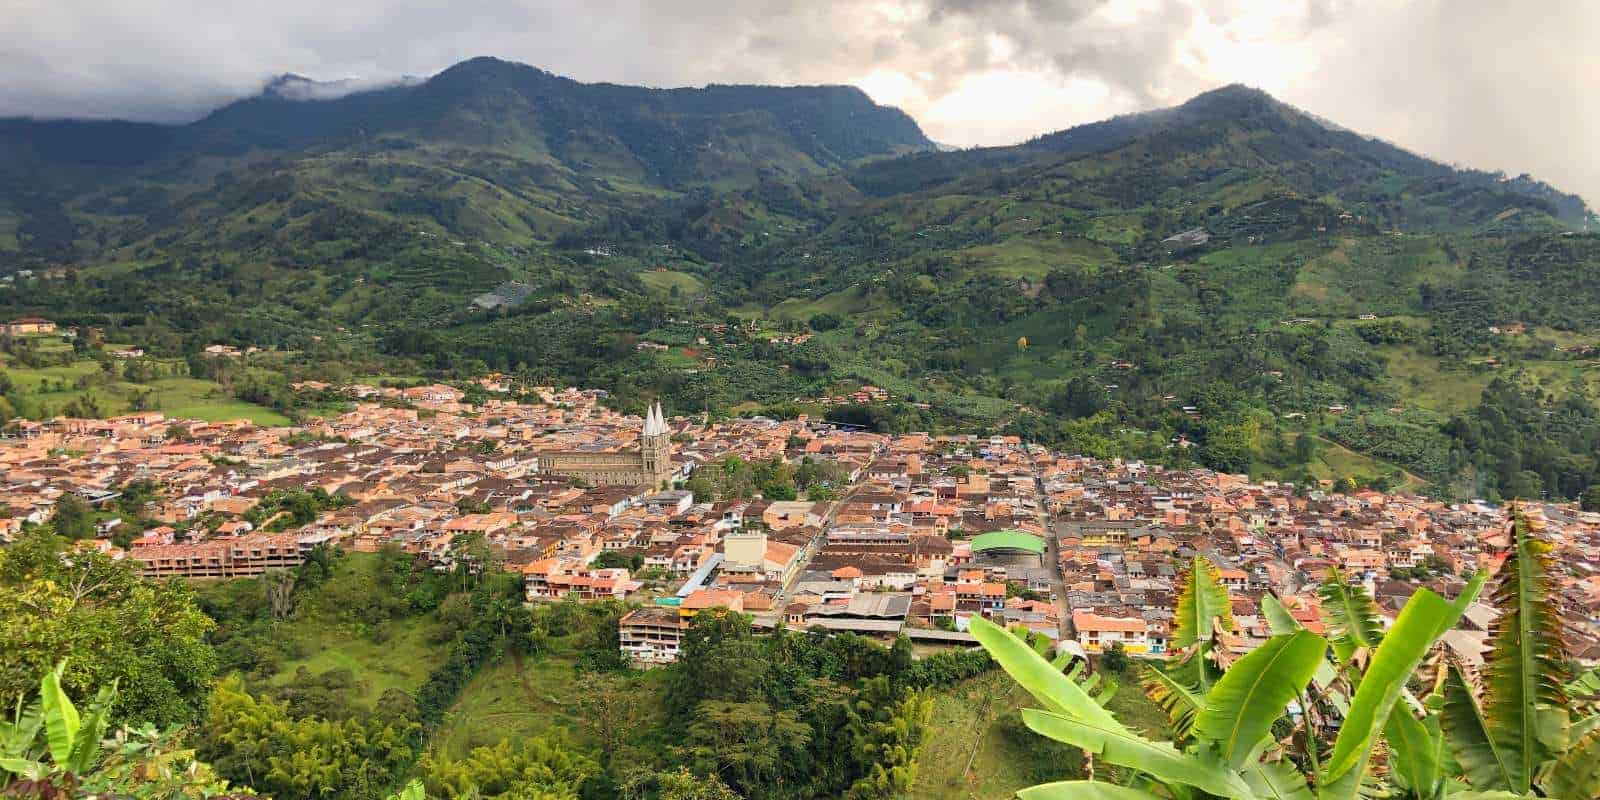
x,y
1510,85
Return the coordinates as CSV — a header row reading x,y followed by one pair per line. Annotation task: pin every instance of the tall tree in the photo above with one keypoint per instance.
x,y
888,725
110,625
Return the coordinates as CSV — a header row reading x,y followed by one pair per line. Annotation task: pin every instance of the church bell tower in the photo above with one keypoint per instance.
x,y
655,448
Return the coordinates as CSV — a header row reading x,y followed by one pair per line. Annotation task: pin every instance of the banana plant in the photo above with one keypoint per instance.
x,y
71,740
1223,706
412,791
1515,733
1233,753
1375,711
1204,612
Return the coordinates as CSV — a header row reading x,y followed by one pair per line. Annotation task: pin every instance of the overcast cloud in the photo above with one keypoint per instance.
x,y
1496,85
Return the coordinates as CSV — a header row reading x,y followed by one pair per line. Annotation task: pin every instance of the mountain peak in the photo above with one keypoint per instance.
x,y
1235,98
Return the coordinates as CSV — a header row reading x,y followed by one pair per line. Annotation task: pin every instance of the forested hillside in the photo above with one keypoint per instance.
x,y
1232,280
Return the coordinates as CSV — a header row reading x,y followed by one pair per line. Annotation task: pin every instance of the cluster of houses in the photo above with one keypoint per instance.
x,y
921,534
1125,531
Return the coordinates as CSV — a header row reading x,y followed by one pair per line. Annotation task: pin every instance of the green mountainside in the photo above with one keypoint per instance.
x,y
1231,280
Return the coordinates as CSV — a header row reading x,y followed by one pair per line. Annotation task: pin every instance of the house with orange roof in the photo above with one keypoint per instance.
x,y
702,599
1096,633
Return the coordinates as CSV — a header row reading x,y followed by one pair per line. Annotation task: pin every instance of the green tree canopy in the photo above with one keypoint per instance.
x,y
109,625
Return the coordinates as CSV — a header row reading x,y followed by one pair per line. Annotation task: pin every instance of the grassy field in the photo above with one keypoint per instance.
x,y
1335,461
536,696
402,662
980,750
664,281
1034,258
46,391
847,303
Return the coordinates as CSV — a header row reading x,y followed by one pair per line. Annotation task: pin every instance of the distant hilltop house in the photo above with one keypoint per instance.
x,y
506,295
229,351
1194,237
28,326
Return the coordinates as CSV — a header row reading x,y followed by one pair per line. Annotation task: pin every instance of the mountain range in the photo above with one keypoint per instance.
x,y
1220,273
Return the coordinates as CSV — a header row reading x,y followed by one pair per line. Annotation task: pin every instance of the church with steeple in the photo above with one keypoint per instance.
x,y
651,465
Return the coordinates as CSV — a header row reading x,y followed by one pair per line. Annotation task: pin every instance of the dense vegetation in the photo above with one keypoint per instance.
x,y
1286,281
344,679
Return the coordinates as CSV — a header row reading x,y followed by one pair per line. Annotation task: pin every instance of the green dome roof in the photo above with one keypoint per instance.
x,y
1007,540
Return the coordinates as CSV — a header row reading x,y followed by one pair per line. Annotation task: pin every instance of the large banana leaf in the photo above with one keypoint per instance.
x,y
1160,760
1276,780
1041,678
18,735
60,716
86,745
1524,702
1279,619
1174,697
1468,734
1417,748
413,791
1082,790
1584,726
1576,774
1254,692
1424,616
1586,686
1202,601
1352,616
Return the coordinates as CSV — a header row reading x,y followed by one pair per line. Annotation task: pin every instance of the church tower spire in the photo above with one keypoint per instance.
x,y
655,446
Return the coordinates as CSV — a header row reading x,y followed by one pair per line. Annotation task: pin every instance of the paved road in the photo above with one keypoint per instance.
x,y
811,548
1052,556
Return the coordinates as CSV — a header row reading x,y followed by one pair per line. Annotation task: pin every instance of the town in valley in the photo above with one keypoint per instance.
x,y
916,534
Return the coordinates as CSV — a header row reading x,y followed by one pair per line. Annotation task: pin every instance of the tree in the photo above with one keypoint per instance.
x,y
73,518
617,559
754,748
1115,659
606,711
1079,397
1305,448
887,727
255,741
533,768
279,586
112,627
680,785
825,322
719,659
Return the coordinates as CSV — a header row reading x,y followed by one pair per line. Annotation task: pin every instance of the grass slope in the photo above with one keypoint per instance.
x,y
978,748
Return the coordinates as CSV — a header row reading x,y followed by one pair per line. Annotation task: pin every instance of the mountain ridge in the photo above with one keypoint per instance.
x,y
1232,254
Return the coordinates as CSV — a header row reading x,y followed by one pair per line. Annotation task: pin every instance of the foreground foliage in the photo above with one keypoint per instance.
x,y
50,749
111,626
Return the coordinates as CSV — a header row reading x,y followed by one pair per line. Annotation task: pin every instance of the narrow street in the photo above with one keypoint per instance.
x,y
1052,555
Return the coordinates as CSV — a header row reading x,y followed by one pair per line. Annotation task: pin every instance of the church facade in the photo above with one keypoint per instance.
x,y
651,465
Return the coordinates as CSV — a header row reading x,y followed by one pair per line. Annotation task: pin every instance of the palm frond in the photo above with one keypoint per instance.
x,y
1524,674
1180,700
1352,616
